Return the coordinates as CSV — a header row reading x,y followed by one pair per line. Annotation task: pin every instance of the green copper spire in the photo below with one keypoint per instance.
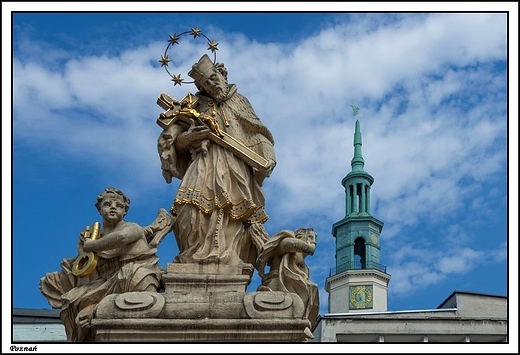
x,y
357,234
357,183
357,162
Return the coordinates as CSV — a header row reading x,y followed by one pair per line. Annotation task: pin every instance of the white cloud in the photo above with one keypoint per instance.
x,y
413,276
417,268
461,262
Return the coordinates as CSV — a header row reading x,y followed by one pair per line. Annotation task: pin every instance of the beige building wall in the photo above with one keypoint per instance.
x,y
338,287
463,317
39,333
37,325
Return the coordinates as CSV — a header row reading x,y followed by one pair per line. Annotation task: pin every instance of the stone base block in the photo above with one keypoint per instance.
x,y
200,330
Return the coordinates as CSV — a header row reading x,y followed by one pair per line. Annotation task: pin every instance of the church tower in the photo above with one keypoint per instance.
x,y
358,283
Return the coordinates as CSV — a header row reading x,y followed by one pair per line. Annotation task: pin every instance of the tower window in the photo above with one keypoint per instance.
x,y
359,254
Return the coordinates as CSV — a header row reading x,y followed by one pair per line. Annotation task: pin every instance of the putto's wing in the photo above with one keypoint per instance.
x,y
162,225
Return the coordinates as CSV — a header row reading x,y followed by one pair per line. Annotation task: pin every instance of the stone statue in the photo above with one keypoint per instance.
x,y
214,142
285,255
117,258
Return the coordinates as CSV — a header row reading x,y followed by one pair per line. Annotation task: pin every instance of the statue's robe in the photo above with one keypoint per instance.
x,y
219,206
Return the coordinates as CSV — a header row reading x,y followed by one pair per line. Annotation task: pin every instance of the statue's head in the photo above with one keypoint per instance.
x,y
307,235
112,192
202,69
210,78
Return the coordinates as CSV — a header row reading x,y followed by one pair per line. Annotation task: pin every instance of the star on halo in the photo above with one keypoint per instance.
x,y
174,39
177,80
164,60
213,46
195,32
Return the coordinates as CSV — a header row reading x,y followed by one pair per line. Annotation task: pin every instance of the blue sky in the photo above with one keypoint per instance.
x,y
433,99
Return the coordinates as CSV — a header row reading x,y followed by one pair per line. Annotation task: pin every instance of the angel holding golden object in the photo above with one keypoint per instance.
x,y
125,261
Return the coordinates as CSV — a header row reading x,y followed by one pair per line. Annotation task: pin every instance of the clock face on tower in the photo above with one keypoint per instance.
x,y
360,297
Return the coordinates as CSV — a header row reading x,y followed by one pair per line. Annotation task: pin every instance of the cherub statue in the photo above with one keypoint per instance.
x,y
125,261
284,253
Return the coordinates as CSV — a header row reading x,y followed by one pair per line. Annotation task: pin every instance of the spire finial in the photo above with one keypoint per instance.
x,y
357,162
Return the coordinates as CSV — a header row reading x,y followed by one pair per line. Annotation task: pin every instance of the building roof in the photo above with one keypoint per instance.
x,y
454,293
29,315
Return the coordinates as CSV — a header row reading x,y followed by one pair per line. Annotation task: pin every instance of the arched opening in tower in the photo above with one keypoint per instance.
x,y
359,254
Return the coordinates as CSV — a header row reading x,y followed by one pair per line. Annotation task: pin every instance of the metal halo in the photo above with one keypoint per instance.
x,y
174,39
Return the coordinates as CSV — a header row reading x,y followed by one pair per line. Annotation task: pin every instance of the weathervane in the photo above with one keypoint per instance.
x,y
174,39
355,110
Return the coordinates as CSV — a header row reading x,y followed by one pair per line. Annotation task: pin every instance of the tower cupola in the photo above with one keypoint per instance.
x,y
358,282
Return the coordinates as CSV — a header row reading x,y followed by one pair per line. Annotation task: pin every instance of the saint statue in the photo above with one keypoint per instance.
x,y
220,150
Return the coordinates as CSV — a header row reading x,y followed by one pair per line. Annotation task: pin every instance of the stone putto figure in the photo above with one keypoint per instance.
x,y
116,258
215,143
285,255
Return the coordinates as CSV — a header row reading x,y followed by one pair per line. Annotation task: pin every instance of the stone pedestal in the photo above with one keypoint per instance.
x,y
202,303
183,278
